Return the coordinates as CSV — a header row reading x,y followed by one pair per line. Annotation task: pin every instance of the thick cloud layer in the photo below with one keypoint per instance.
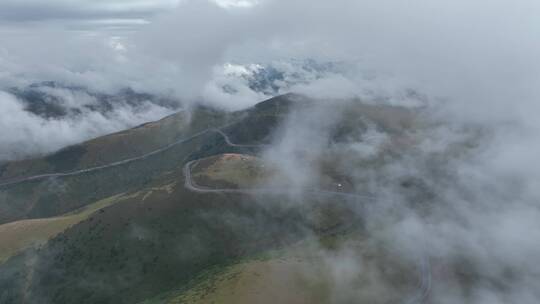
x,y
467,52
473,63
461,50
457,199
26,134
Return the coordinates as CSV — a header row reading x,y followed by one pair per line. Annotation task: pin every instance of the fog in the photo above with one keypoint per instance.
x,y
461,196
472,64
26,134
471,54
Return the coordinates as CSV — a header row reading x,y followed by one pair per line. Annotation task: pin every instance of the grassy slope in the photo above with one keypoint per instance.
x,y
52,197
299,274
154,240
148,137
150,243
163,236
229,171
278,277
20,235
104,149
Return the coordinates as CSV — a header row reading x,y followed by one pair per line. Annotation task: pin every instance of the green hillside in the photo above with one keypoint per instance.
x,y
134,232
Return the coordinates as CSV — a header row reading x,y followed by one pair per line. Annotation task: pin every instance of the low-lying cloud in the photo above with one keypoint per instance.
x,y
465,197
469,53
456,194
25,134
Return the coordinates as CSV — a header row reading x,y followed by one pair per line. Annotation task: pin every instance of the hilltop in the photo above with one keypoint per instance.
x,y
119,224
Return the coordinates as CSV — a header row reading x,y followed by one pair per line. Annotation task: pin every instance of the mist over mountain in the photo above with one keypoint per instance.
x,y
46,117
54,100
269,151
91,112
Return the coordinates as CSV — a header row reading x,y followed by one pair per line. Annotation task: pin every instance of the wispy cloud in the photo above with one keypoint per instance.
x,y
27,134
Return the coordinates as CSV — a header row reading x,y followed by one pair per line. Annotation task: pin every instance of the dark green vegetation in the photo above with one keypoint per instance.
x,y
55,196
142,247
161,236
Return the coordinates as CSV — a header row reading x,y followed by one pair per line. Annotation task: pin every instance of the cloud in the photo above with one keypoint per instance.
x,y
483,222
463,54
457,194
420,46
82,14
236,3
465,197
25,134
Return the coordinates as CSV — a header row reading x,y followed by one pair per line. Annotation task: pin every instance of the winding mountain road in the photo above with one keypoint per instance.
x,y
424,265
424,284
121,162
193,186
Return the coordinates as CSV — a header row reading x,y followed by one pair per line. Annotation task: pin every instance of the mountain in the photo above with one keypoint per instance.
x,y
272,79
51,99
189,209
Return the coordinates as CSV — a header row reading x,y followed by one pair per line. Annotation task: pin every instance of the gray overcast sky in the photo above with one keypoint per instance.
x,y
91,15
461,49
476,60
81,14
